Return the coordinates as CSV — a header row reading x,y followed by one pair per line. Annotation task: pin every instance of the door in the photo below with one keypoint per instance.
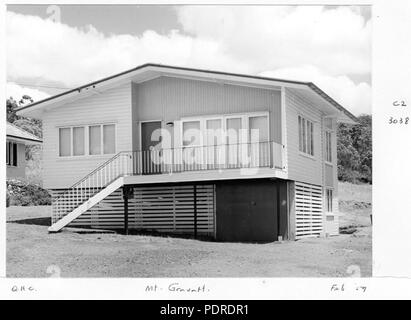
x,y
234,142
248,210
150,148
213,151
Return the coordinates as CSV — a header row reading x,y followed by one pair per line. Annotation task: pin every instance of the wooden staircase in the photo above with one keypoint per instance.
x,y
90,190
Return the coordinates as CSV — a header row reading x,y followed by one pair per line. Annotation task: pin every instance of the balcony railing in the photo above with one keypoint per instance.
x,y
210,157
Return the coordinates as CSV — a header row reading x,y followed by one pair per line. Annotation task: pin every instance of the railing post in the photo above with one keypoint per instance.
x,y
271,155
126,195
195,211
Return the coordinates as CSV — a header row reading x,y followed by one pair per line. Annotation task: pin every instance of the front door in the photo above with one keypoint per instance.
x,y
150,151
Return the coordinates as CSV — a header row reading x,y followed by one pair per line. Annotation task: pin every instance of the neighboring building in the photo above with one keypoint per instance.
x,y
107,170
16,141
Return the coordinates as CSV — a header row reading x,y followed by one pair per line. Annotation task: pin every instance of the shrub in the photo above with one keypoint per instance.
x,y
23,193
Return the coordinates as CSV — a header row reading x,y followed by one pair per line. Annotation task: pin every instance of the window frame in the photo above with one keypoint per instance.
x,y
86,141
304,133
202,129
329,197
12,156
328,146
72,141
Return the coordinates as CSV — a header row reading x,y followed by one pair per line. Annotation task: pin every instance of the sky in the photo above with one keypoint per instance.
x,y
52,49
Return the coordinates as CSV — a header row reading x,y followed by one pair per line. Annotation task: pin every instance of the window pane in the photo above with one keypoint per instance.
x,y
78,141
300,134
64,142
14,154
326,146
258,129
95,139
7,153
329,199
304,136
191,133
312,138
308,137
233,130
329,147
214,132
109,138
11,153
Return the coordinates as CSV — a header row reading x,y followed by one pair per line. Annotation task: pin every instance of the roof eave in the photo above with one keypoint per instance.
x,y
24,140
344,115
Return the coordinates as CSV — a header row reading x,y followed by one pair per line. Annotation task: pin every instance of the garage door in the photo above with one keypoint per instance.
x,y
308,210
250,210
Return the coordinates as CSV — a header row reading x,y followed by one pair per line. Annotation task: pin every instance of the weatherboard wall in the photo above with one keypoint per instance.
x,y
169,99
111,106
301,167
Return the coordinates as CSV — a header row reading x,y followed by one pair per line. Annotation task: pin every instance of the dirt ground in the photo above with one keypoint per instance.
x,y
33,252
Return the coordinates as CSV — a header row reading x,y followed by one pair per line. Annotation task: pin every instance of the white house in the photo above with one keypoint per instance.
x,y
16,141
172,149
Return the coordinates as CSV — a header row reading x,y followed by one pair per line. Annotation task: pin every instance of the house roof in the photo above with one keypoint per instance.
x,y
19,134
181,71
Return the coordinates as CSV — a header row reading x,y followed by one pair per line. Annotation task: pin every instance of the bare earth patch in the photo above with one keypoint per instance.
x,y
31,250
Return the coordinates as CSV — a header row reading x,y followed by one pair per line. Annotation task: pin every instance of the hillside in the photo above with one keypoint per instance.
x,y
355,204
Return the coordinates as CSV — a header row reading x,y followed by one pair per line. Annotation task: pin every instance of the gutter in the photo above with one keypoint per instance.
x,y
332,101
27,139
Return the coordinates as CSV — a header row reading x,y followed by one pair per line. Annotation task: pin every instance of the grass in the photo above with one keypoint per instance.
x,y
355,192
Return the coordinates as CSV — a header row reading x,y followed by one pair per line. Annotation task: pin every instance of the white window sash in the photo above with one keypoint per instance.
x,y
223,118
104,137
306,136
86,140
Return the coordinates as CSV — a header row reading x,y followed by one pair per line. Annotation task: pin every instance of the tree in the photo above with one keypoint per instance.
x,y
362,141
354,149
31,125
11,106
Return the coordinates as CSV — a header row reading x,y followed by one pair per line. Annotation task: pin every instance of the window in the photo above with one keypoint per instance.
x,y
94,140
109,139
233,132
214,132
328,148
306,136
73,141
329,200
64,142
258,129
191,133
11,154
78,141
